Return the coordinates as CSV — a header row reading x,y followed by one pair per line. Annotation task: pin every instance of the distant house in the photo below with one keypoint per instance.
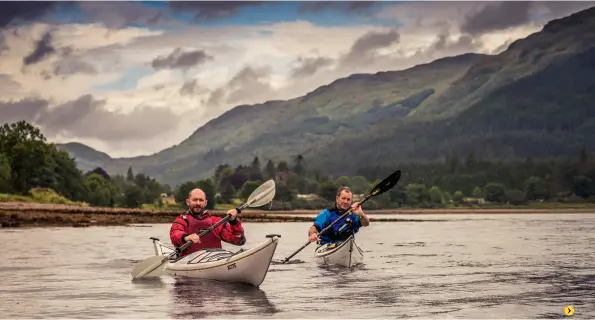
x,y
310,196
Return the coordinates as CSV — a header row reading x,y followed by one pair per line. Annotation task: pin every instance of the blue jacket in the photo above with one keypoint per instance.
x,y
341,230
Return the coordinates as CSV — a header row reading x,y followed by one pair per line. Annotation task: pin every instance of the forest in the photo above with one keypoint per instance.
x,y
28,164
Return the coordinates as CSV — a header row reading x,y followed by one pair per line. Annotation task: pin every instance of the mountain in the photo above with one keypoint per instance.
x,y
86,157
534,99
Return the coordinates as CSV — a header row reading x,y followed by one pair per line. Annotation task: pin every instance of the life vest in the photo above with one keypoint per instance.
x,y
197,224
342,229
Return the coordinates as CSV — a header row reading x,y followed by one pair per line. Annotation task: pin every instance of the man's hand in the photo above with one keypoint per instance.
x,y
313,237
194,237
357,209
233,213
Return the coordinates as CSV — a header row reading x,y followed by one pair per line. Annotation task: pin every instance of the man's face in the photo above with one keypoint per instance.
x,y
344,200
196,201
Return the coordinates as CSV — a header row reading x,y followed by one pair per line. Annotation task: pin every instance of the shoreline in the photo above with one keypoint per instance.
x,y
26,214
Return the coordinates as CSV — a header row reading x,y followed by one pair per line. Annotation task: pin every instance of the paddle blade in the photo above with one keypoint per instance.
x,y
149,268
387,183
262,195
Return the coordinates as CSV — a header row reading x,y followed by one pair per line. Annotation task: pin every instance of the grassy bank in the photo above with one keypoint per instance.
x,y
31,214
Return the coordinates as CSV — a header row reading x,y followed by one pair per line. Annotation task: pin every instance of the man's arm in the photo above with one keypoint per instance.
x,y
319,224
177,232
364,220
232,232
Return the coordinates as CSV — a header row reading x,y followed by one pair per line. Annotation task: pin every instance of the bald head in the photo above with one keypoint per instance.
x,y
196,192
197,200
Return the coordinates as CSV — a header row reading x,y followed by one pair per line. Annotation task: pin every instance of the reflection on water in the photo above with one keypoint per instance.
x,y
467,266
197,298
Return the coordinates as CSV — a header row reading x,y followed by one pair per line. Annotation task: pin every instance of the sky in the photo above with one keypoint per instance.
x,y
133,78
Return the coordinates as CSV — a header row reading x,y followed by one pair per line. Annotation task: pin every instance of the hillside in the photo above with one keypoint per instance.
x,y
531,100
86,157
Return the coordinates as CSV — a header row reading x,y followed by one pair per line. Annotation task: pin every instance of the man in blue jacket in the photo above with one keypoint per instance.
x,y
347,226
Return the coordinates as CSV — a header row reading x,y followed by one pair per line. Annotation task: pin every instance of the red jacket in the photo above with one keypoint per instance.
x,y
185,224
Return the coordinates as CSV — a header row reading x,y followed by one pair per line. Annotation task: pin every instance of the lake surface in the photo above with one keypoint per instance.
x,y
442,266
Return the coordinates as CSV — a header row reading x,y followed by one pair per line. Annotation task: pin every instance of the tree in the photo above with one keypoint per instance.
x,y
458,197
248,188
536,188
130,174
100,192
494,192
100,172
31,164
4,174
181,193
298,168
477,193
227,192
270,170
133,196
283,193
255,171
208,187
327,190
435,195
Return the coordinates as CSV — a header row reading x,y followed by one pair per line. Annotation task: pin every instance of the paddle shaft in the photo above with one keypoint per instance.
x,y
327,228
239,209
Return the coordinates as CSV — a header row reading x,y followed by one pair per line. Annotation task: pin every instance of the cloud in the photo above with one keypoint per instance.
x,y
251,81
191,88
364,49
116,15
497,16
358,7
25,109
204,11
179,59
129,90
20,11
309,66
43,49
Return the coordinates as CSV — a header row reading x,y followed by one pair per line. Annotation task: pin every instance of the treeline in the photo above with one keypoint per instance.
x,y
27,162
456,181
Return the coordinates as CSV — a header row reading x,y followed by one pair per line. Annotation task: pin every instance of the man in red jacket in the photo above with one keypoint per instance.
x,y
189,224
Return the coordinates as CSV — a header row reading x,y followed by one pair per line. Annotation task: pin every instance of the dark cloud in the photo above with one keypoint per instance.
x,y
216,97
360,7
19,11
71,66
211,10
179,59
364,48
3,45
115,14
309,66
87,117
191,87
26,109
497,16
43,49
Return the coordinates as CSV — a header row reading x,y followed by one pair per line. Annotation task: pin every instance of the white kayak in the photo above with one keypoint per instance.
x,y
248,266
346,253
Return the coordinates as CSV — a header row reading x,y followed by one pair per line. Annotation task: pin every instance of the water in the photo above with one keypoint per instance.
x,y
449,266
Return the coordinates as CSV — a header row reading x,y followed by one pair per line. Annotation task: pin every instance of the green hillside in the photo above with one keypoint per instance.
x,y
534,99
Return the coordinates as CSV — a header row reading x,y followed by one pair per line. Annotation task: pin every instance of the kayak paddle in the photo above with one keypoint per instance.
x,y
154,266
380,188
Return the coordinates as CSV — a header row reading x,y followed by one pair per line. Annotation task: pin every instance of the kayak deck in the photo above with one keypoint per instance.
x,y
245,265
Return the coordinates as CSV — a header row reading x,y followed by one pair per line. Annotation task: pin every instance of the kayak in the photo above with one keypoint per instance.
x,y
346,253
248,266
